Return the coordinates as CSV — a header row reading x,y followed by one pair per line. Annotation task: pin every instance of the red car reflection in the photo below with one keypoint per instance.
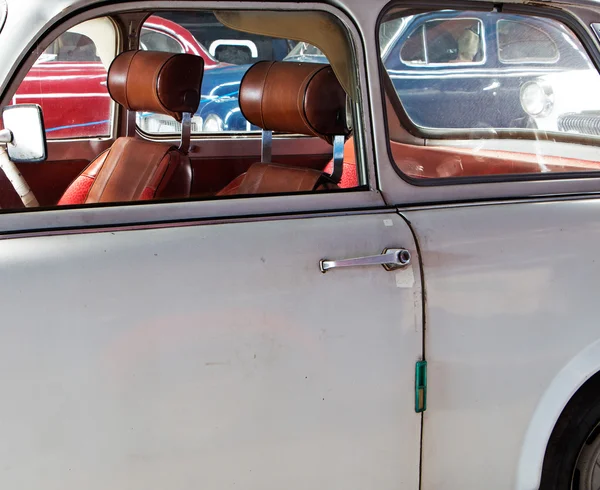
x,y
69,79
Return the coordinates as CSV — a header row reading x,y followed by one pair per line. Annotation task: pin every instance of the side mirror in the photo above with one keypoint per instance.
x,y
24,133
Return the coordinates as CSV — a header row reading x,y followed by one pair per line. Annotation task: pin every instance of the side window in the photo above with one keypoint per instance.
x,y
69,82
413,49
298,137
441,41
522,42
534,108
151,40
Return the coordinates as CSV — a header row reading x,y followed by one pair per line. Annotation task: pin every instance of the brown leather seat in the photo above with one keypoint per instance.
x,y
300,98
133,169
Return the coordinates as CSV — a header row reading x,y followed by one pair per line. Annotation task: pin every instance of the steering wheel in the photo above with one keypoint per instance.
x,y
16,179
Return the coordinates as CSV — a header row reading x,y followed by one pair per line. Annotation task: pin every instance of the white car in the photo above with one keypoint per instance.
x,y
341,299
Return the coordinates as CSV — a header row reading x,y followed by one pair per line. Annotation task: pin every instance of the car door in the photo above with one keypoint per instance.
x,y
214,352
198,343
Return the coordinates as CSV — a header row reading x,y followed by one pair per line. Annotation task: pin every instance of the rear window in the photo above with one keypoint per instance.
x,y
521,42
151,40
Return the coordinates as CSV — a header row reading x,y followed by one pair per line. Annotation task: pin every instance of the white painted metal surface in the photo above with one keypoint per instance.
x,y
219,353
512,332
214,355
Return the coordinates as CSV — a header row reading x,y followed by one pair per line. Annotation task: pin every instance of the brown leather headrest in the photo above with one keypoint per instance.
x,y
304,98
153,81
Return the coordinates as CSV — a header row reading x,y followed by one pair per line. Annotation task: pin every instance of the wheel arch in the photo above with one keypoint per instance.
x,y
579,372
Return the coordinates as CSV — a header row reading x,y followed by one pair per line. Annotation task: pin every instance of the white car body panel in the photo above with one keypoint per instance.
x,y
566,383
511,314
215,354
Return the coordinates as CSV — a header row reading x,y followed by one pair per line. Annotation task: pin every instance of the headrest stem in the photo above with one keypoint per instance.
x,y
338,158
267,146
186,132
131,124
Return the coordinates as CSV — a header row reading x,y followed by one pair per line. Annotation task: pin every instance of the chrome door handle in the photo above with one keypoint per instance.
x,y
391,259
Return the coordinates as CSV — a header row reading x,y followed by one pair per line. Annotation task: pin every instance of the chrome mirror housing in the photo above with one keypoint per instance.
x,y
24,133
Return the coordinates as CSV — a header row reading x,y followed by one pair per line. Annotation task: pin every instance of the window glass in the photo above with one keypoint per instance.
x,y
521,42
70,77
596,28
388,31
152,40
413,48
533,108
444,41
69,82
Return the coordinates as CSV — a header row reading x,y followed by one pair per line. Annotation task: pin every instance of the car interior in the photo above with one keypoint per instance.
x,y
304,101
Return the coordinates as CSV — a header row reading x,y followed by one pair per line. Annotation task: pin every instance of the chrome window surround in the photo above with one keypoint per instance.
x,y
524,62
437,65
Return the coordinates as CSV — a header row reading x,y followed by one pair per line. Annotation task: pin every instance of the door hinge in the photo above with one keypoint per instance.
x,y
421,386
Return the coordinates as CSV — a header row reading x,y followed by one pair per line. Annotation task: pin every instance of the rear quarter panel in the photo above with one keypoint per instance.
x,y
512,302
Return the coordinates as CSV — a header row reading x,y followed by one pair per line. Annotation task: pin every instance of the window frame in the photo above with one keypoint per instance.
x,y
166,212
535,62
427,64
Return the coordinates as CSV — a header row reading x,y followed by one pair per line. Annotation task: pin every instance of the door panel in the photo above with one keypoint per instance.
x,y
214,353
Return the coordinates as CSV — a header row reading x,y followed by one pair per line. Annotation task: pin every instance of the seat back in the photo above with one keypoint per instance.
x,y
299,98
134,169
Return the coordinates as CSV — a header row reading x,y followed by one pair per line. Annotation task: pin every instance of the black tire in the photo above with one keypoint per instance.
x,y
578,425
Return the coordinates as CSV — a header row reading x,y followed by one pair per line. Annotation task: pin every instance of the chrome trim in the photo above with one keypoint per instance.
x,y
338,158
40,221
266,151
391,259
186,132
